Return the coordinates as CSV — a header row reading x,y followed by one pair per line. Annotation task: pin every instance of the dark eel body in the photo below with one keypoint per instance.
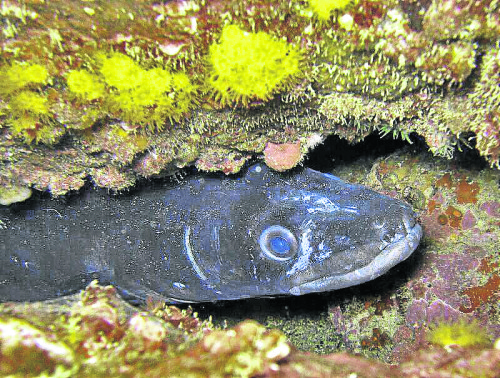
x,y
207,238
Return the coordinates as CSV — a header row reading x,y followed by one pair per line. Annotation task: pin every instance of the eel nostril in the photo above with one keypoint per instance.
x,y
409,221
386,237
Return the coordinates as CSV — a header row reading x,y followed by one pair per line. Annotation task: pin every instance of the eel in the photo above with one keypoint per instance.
x,y
206,238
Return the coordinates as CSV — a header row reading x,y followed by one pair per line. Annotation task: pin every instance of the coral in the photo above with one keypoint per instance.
x,y
486,99
112,178
354,117
12,13
121,72
459,333
120,82
345,66
218,159
29,115
98,335
28,102
465,19
248,66
48,169
182,319
246,350
452,63
30,118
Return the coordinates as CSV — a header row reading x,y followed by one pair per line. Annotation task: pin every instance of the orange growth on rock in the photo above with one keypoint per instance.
x,y
442,219
467,193
432,205
445,181
488,292
454,217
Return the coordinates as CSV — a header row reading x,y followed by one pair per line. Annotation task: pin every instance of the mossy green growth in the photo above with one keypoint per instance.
x,y
344,67
136,95
19,75
323,9
460,333
248,66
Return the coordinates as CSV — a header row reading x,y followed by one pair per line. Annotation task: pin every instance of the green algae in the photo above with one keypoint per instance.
x,y
309,334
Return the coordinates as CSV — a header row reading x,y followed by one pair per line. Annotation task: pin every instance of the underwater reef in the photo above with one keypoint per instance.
x,y
95,334
434,315
115,91
112,92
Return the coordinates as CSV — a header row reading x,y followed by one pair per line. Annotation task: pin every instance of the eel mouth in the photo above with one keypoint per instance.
x,y
391,255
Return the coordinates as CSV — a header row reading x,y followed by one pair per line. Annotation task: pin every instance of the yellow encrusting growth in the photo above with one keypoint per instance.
x,y
85,85
136,95
29,115
30,118
19,75
460,333
27,102
246,66
121,72
324,8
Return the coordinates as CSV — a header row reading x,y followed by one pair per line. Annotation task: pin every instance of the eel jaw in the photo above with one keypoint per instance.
x,y
390,256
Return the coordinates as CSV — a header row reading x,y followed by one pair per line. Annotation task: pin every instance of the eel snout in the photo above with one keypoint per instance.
x,y
399,237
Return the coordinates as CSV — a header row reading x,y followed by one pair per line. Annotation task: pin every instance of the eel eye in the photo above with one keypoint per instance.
x,y
278,243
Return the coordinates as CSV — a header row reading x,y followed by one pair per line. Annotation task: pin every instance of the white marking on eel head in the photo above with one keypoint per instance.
x,y
189,253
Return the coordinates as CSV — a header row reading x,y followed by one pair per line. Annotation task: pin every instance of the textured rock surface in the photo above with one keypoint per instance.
x,y
96,334
368,66
118,90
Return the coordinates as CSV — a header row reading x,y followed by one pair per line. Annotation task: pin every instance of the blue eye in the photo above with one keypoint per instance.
x,y
278,243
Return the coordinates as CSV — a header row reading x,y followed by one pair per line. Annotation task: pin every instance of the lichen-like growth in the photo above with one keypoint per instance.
x,y
460,333
11,194
250,66
323,8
